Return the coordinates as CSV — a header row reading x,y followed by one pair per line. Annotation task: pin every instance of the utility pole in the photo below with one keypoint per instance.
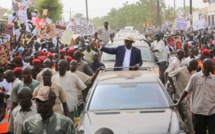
x,y
191,12
87,11
158,13
70,12
184,5
174,5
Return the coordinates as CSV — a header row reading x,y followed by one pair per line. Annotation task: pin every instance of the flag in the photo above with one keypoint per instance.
x,y
76,116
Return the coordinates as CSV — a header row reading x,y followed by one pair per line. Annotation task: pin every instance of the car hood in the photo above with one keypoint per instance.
x,y
129,122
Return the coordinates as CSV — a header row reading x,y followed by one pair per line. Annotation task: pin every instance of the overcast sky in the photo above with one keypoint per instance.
x,y
102,7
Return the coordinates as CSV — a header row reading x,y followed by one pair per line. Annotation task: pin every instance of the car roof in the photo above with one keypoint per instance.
x,y
116,77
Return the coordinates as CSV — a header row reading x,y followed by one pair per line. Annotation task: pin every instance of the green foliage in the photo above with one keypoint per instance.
x,y
132,14
138,13
54,8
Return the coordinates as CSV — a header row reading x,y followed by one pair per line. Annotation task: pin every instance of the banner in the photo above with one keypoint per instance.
x,y
50,30
181,24
23,17
67,37
199,24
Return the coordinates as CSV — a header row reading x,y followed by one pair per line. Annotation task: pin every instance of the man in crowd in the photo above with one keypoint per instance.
x,y
11,78
88,53
85,78
62,54
104,34
70,83
36,68
3,116
158,48
126,55
47,64
27,81
174,63
82,65
24,110
3,82
47,121
18,72
188,59
182,76
96,63
202,87
61,97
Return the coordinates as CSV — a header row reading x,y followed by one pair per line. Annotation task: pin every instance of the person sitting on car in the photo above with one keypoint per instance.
x,y
126,55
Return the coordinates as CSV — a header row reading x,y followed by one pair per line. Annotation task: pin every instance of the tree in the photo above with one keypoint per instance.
x,y
54,8
132,14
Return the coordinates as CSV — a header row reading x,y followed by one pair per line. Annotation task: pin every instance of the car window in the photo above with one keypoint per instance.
x,y
145,53
128,96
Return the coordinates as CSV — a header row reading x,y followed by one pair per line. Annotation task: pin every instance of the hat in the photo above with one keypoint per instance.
x,y
51,55
17,69
36,61
68,58
70,51
42,58
62,51
45,93
18,57
205,51
130,38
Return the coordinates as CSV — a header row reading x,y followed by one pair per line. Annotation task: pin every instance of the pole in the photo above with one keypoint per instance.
x,y
70,12
174,5
158,12
87,11
184,5
191,12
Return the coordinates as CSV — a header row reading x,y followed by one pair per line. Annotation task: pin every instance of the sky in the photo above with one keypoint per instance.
x,y
102,7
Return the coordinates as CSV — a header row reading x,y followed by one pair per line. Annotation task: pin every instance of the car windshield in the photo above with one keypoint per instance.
x,y
128,96
145,53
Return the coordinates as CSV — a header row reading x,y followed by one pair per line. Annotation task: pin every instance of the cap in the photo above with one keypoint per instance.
x,y
17,69
36,61
68,58
42,58
70,51
205,51
130,38
62,51
51,55
18,57
45,93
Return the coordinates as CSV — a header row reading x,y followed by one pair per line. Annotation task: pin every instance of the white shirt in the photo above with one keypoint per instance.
x,y
126,61
71,84
104,34
6,85
161,55
186,61
14,84
174,63
18,117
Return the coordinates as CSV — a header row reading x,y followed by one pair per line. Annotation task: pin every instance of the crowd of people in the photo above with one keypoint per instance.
x,y
57,78
189,77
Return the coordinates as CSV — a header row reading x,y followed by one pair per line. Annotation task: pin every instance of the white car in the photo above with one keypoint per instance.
x,y
129,102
